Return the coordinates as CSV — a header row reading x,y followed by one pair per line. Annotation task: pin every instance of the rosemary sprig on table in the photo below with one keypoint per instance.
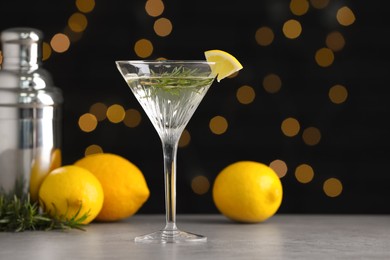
x,y
19,214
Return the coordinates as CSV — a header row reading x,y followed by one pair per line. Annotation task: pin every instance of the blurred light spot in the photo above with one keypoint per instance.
x,y
87,122
60,43
304,173
77,22
345,16
85,6
272,83
154,7
292,29
324,57
200,185
143,48
92,149
245,94
333,187
115,113
280,167
311,136
335,41
1,58
264,36
185,138
132,118
338,94
72,35
218,125
299,7
46,51
290,127
99,110
319,4
162,27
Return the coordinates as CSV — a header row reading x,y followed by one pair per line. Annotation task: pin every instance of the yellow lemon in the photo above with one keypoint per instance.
x,y
41,166
226,64
247,191
70,189
125,188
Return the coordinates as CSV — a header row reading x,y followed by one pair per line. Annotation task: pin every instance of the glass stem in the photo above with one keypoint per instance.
x,y
170,151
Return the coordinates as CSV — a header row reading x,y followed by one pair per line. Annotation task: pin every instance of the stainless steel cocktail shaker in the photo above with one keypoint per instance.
x,y
30,114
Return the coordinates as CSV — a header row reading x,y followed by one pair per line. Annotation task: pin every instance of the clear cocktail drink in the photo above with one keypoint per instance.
x,y
169,92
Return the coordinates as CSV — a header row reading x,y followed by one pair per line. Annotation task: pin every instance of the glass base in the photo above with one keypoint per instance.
x,y
170,236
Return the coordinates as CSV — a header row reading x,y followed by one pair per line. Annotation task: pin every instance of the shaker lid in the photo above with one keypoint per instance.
x,y
21,35
21,48
22,80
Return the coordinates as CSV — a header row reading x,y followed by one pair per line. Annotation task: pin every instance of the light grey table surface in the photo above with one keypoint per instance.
x,y
280,237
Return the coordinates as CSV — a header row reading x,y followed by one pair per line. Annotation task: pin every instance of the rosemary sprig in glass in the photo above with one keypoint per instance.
x,y
19,214
181,77
173,81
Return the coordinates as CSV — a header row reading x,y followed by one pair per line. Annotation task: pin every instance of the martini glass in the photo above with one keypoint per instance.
x,y
169,92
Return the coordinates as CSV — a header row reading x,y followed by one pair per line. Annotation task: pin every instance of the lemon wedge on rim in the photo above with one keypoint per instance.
x,y
226,64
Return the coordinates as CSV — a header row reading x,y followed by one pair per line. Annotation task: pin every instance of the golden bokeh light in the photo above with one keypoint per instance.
x,y
345,16
99,110
46,51
1,58
132,118
115,113
154,8
162,27
93,149
72,35
77,22
324,57
319,4
185,139
335,41
218,125
245,94
299,7
311,136
60,43
292,29
200,185
264,36
338,94
279,167
290,127
272,83
87,122
143,48
85,6
333,187
304,173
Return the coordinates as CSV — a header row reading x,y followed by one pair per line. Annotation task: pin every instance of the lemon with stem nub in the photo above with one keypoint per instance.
x,y
247,191
70,192
226,64
125,188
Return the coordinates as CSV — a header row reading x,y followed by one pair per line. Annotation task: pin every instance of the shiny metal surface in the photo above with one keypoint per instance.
x,y
21,48
30,114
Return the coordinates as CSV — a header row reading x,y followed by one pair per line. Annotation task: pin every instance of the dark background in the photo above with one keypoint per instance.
x,y
354,147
